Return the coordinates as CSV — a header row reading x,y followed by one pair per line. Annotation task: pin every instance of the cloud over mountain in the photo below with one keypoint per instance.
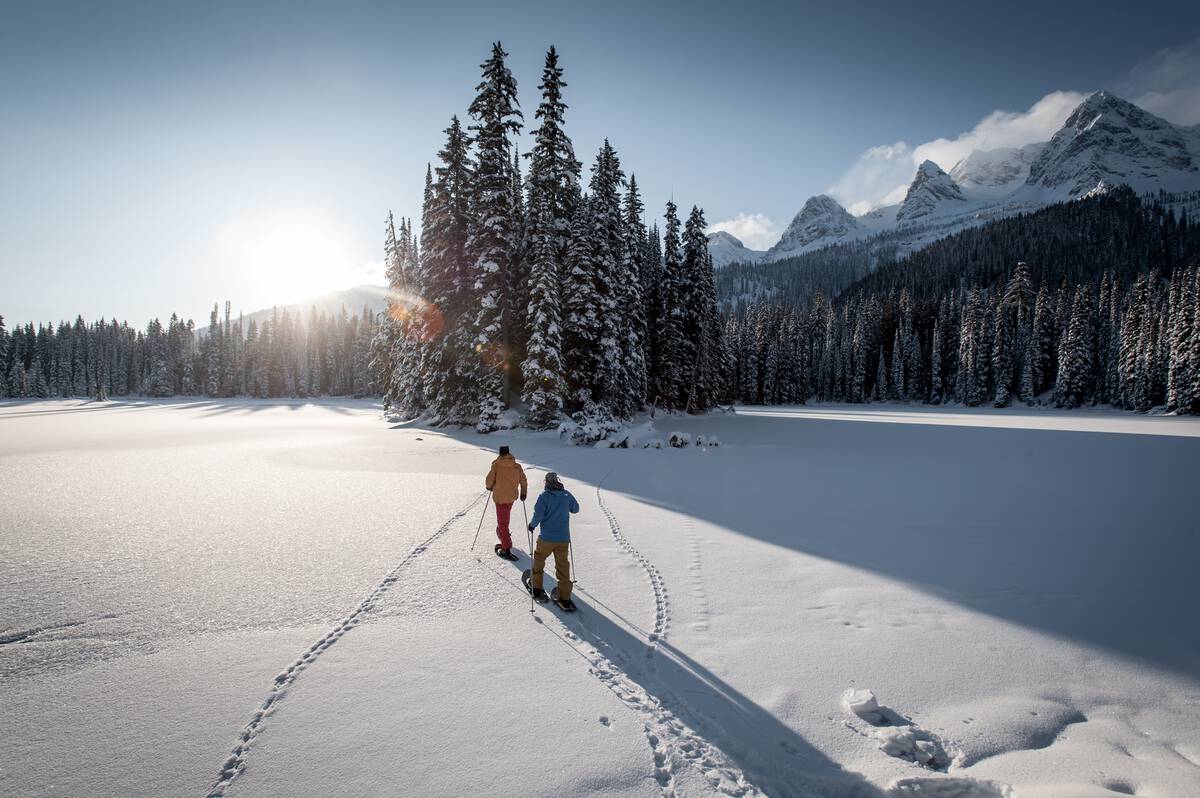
x,y
755,230
881,175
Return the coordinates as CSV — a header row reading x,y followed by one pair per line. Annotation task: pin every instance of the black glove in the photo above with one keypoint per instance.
x,y
531,527
522,497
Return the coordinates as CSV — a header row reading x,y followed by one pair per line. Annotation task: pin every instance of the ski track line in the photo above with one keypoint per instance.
x,y
236,763
671,740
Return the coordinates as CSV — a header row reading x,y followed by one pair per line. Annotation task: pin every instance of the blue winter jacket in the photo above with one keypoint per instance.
x,y
552,512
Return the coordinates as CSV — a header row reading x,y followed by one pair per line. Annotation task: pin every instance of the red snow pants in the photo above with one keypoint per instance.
x,y
502,513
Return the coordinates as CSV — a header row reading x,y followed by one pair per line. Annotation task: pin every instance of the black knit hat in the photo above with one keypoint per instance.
x,y
503,450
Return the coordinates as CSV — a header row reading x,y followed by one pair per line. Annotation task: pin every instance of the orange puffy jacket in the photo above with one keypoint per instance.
x,y
506,480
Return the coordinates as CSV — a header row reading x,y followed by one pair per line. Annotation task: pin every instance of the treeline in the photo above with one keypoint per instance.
x,y
530,293
1096,341
283,356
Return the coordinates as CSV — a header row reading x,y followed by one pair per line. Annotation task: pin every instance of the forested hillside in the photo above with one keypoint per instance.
x,y
1088,302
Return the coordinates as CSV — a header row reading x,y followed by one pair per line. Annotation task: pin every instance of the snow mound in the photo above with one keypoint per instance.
x,y
1006,723
949,787
897,735
679,439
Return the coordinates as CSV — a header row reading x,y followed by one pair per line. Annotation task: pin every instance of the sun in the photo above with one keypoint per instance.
x,y
287,258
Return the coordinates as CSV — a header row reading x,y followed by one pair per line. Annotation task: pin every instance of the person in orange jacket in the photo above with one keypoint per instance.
x,y
506,480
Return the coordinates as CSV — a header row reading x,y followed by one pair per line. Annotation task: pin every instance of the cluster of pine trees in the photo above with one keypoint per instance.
x,y
1133,345
531,292
330,355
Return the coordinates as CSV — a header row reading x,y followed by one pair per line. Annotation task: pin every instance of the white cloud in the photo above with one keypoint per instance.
x,y
1004,129
755,230
881,175
1167,83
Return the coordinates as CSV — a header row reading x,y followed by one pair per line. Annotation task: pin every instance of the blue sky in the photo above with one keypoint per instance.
x,y
159,156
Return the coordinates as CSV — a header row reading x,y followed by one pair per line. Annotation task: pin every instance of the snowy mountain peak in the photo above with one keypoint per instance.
x,y
726,248
822,219
1107,139
930,188
992,173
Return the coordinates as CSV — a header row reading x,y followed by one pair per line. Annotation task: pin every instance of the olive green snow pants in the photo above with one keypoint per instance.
x,y
562,568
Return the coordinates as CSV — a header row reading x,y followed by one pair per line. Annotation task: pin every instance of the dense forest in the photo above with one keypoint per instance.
x,y
529,293
1056,335
328,355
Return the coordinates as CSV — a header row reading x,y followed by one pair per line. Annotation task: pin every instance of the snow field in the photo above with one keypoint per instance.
x,y
1010,588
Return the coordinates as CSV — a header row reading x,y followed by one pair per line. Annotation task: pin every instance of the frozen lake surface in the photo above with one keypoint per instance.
x,y
1016,589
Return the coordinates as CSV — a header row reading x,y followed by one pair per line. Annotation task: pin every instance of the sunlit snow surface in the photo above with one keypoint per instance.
x,y
1016,589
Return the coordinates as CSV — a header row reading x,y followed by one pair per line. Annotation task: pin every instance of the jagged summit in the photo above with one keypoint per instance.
x,y
822,219
1110,140
1105,142
929,189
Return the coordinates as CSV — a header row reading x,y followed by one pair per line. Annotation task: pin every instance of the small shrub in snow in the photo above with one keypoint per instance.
x,y
679,439
656,443
707,440
591,424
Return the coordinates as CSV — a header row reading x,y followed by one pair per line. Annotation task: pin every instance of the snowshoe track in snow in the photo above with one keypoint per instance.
x,y
672,743
662,605
236,763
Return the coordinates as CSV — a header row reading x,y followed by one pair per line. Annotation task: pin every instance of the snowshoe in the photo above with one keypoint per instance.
x,y
538,594
566,605
505,554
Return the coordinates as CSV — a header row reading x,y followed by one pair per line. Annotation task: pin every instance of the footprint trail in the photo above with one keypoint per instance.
x,y
235,764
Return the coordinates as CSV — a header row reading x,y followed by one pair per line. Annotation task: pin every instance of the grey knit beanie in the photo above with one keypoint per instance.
x,y
552,481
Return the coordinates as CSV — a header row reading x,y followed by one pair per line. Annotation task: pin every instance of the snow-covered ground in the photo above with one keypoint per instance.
x,y
1016,589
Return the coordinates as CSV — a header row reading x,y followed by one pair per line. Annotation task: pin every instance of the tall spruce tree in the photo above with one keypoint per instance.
x,y
542,368
493,236
451,356
671,346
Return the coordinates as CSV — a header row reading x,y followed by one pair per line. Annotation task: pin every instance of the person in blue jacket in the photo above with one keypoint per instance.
x,y
553,512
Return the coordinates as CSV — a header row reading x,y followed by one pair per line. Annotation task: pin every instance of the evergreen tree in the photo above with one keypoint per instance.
x,y
583,353
493,235
671,346
451,355
1076,376
542,368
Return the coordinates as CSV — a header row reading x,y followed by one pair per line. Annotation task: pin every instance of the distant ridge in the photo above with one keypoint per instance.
x,y
352,299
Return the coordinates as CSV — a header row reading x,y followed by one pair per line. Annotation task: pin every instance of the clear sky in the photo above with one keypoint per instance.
x,y
159,156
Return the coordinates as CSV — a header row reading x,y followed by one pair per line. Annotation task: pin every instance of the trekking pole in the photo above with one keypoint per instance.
x,y
485,506
529,537
571,553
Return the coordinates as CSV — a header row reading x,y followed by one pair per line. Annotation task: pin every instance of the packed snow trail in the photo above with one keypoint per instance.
x,y
236,762
671,741
674,729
